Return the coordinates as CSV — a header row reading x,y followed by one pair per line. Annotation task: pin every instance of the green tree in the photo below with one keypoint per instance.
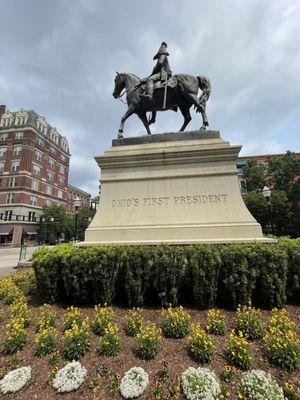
x,y
85,214
283,171
254,175
280,209
257,206
56,225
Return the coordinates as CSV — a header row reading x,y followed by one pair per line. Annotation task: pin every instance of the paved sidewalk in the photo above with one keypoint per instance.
x,y
9,258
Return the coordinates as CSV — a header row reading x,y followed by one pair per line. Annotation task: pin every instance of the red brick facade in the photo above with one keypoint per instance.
x,y
74,192
34,168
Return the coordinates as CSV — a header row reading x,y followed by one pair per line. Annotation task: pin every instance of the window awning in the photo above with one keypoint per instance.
x,y
6,229
30,229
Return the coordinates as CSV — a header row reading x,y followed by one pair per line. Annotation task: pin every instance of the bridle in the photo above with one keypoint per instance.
x,y
125,91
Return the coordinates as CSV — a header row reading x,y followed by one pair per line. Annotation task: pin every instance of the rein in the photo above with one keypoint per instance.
x,y
125,91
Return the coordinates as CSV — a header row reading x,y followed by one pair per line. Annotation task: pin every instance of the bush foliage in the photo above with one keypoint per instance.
x,y
199,275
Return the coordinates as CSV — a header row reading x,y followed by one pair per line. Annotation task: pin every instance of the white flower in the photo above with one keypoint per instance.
x,y
200,384
134,383
69,377
15,380
259,385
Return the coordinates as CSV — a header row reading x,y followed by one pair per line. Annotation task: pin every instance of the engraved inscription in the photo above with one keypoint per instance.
x,y
208,198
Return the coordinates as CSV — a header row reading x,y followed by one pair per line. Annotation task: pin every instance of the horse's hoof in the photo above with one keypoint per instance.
x,y
120,135
203,128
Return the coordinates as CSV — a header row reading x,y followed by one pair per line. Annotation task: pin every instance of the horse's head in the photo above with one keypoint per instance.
x,y
119,85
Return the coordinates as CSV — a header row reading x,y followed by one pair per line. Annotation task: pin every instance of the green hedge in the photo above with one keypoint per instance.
x,y
195,275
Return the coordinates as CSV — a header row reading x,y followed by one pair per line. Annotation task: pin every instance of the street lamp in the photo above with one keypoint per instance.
x,y
266,192
77,204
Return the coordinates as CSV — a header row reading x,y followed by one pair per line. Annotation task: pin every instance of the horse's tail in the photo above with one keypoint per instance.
x,y
204,84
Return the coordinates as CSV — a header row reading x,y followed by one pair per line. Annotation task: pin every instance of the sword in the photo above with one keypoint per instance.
x,y
165,92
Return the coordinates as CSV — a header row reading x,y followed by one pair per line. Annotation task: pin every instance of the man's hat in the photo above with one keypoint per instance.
x,y
162,50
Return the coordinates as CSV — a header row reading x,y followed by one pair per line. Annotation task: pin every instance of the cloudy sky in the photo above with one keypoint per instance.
x,y
59,57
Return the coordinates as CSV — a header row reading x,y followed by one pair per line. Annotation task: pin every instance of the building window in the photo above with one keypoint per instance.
x,y
36,170
31,216
50,176
34,185
49,189
8,215
62,169
19,135
3,136
2,151
63,157
10,198
15,166
48,203
60,194
40,141
12,181
33,200
17,150
2,166
61,181
52,150
37,155
51,163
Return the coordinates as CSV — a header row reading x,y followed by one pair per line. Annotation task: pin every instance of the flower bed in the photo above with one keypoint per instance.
x,y
200,384
15,380
162,359
134,383
70,377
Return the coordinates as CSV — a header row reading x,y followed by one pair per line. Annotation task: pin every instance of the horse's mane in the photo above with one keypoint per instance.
x,y
135,76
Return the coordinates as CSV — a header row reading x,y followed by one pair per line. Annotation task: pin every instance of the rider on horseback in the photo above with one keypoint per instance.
x,y
161,71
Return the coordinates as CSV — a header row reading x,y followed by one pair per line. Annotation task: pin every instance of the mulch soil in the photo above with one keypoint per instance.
x,y
173,353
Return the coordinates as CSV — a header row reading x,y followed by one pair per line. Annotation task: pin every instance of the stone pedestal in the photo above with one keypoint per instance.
x,y
176,188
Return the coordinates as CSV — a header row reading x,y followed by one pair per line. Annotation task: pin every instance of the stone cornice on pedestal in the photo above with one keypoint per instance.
x,y
168,149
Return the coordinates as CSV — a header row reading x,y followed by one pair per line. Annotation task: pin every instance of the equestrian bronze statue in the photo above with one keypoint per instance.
x,y
162,91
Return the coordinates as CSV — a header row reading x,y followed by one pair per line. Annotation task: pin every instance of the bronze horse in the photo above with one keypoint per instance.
x,y
183,96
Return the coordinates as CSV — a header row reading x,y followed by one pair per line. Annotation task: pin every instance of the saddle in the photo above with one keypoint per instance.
x,y
172,82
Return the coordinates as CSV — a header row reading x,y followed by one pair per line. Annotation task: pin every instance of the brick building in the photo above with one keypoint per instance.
x,y
74,192
34,168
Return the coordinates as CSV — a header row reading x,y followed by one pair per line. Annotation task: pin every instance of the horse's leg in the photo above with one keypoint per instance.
x,y
185,111
143,118
129,112
153,118
194,99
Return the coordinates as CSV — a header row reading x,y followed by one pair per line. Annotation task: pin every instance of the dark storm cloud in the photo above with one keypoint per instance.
x,y
60,57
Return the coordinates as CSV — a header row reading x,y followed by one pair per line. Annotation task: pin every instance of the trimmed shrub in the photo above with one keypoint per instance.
x,y
271,285
292,248
48,263
200,275
238,274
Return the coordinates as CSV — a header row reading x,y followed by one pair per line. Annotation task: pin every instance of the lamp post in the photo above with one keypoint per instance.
x,y
266,192
77,204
